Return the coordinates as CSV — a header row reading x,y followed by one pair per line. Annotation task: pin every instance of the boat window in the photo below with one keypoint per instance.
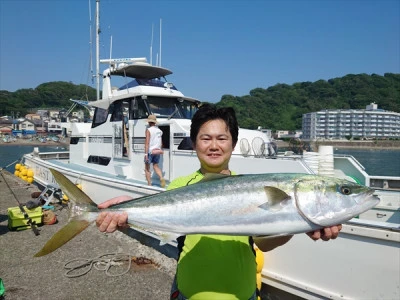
x,y
117,111
100,116
176,108
125,111
99,160
185,144
130,84
138,109
162,107
187,108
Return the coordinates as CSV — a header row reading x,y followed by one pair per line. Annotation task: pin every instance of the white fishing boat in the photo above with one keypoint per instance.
x,y
106,159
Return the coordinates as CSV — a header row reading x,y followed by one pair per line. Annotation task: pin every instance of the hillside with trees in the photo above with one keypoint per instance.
x,y
281,106
277,107
47,95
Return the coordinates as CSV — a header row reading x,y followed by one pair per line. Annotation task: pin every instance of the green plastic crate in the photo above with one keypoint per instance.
x,y
17,221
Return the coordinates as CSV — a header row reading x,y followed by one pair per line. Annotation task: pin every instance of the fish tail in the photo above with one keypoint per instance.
x,y
80,215
69,231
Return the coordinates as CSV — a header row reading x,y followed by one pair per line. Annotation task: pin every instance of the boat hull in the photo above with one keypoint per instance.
x,y
352,265
97,185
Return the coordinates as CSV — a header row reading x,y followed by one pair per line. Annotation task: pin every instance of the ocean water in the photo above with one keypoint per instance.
x,y
11,154
376,162
382,162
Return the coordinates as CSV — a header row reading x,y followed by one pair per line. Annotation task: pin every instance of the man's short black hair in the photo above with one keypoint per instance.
x,y
209,112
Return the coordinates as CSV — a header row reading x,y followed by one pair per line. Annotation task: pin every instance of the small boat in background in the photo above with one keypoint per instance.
x,y
6,139
55,138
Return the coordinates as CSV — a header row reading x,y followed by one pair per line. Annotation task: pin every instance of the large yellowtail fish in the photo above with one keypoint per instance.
x,y
259,204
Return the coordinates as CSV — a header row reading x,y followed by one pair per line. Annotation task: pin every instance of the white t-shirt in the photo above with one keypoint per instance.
x,y
155,138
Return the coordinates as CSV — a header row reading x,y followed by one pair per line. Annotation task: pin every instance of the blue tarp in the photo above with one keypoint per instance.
x,y
23,132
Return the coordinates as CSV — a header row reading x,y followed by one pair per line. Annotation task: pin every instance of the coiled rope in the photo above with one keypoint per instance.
x,y
105,262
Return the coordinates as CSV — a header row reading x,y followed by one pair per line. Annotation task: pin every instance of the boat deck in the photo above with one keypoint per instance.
x,y
96,173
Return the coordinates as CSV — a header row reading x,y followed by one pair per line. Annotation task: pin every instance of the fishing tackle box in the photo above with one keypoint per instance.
x,y
17,221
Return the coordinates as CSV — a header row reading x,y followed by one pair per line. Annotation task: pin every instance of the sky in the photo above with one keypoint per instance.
x,y
213,47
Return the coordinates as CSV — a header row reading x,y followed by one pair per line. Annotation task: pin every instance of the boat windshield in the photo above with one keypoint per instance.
x,y
176,108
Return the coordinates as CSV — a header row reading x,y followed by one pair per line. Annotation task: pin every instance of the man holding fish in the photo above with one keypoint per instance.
x,y
212,266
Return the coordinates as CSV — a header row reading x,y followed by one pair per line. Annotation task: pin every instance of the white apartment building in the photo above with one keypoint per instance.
x,y
369,123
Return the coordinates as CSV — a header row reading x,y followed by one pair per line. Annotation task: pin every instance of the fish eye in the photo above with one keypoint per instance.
x,y
345,190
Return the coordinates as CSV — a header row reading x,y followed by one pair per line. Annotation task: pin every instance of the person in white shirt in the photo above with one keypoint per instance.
x,y
153,150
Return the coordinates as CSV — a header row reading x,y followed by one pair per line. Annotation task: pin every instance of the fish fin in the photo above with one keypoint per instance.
x,y
62,236
68,187
275,196
213,176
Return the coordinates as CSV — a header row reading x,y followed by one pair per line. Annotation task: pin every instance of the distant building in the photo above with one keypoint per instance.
x,y
22,127
267,132
54,127
369,123
6,126
280,134
33,117
40,126
54,114
43,113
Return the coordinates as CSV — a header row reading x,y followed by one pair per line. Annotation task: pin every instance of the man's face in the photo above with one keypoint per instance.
x,y
214,146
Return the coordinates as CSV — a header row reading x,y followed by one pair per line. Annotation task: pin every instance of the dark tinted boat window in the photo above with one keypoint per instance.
x,y
117,111
138,109
99,160
100,116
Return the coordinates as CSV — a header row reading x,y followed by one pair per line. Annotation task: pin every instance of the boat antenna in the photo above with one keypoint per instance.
x,y
160,40
98,49
151,44
90,43
110,49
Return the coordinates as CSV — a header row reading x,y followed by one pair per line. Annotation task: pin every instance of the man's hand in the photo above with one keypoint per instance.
x,y
265,243
326,234
111,221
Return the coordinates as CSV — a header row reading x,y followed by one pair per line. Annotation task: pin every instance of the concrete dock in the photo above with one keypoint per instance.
x,y
26,277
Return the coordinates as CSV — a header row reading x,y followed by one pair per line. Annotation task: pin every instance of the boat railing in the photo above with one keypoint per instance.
x,y
62,155
350,157
352,168
385,182
250,156
373,224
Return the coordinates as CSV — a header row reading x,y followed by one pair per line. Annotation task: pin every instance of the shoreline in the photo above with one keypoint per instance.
x,y
23,142
373,145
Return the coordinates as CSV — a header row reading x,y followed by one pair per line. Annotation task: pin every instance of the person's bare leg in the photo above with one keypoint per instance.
x,y
148,173
159,173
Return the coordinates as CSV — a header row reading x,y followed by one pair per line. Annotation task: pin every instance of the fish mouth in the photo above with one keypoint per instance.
x,y
369,199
